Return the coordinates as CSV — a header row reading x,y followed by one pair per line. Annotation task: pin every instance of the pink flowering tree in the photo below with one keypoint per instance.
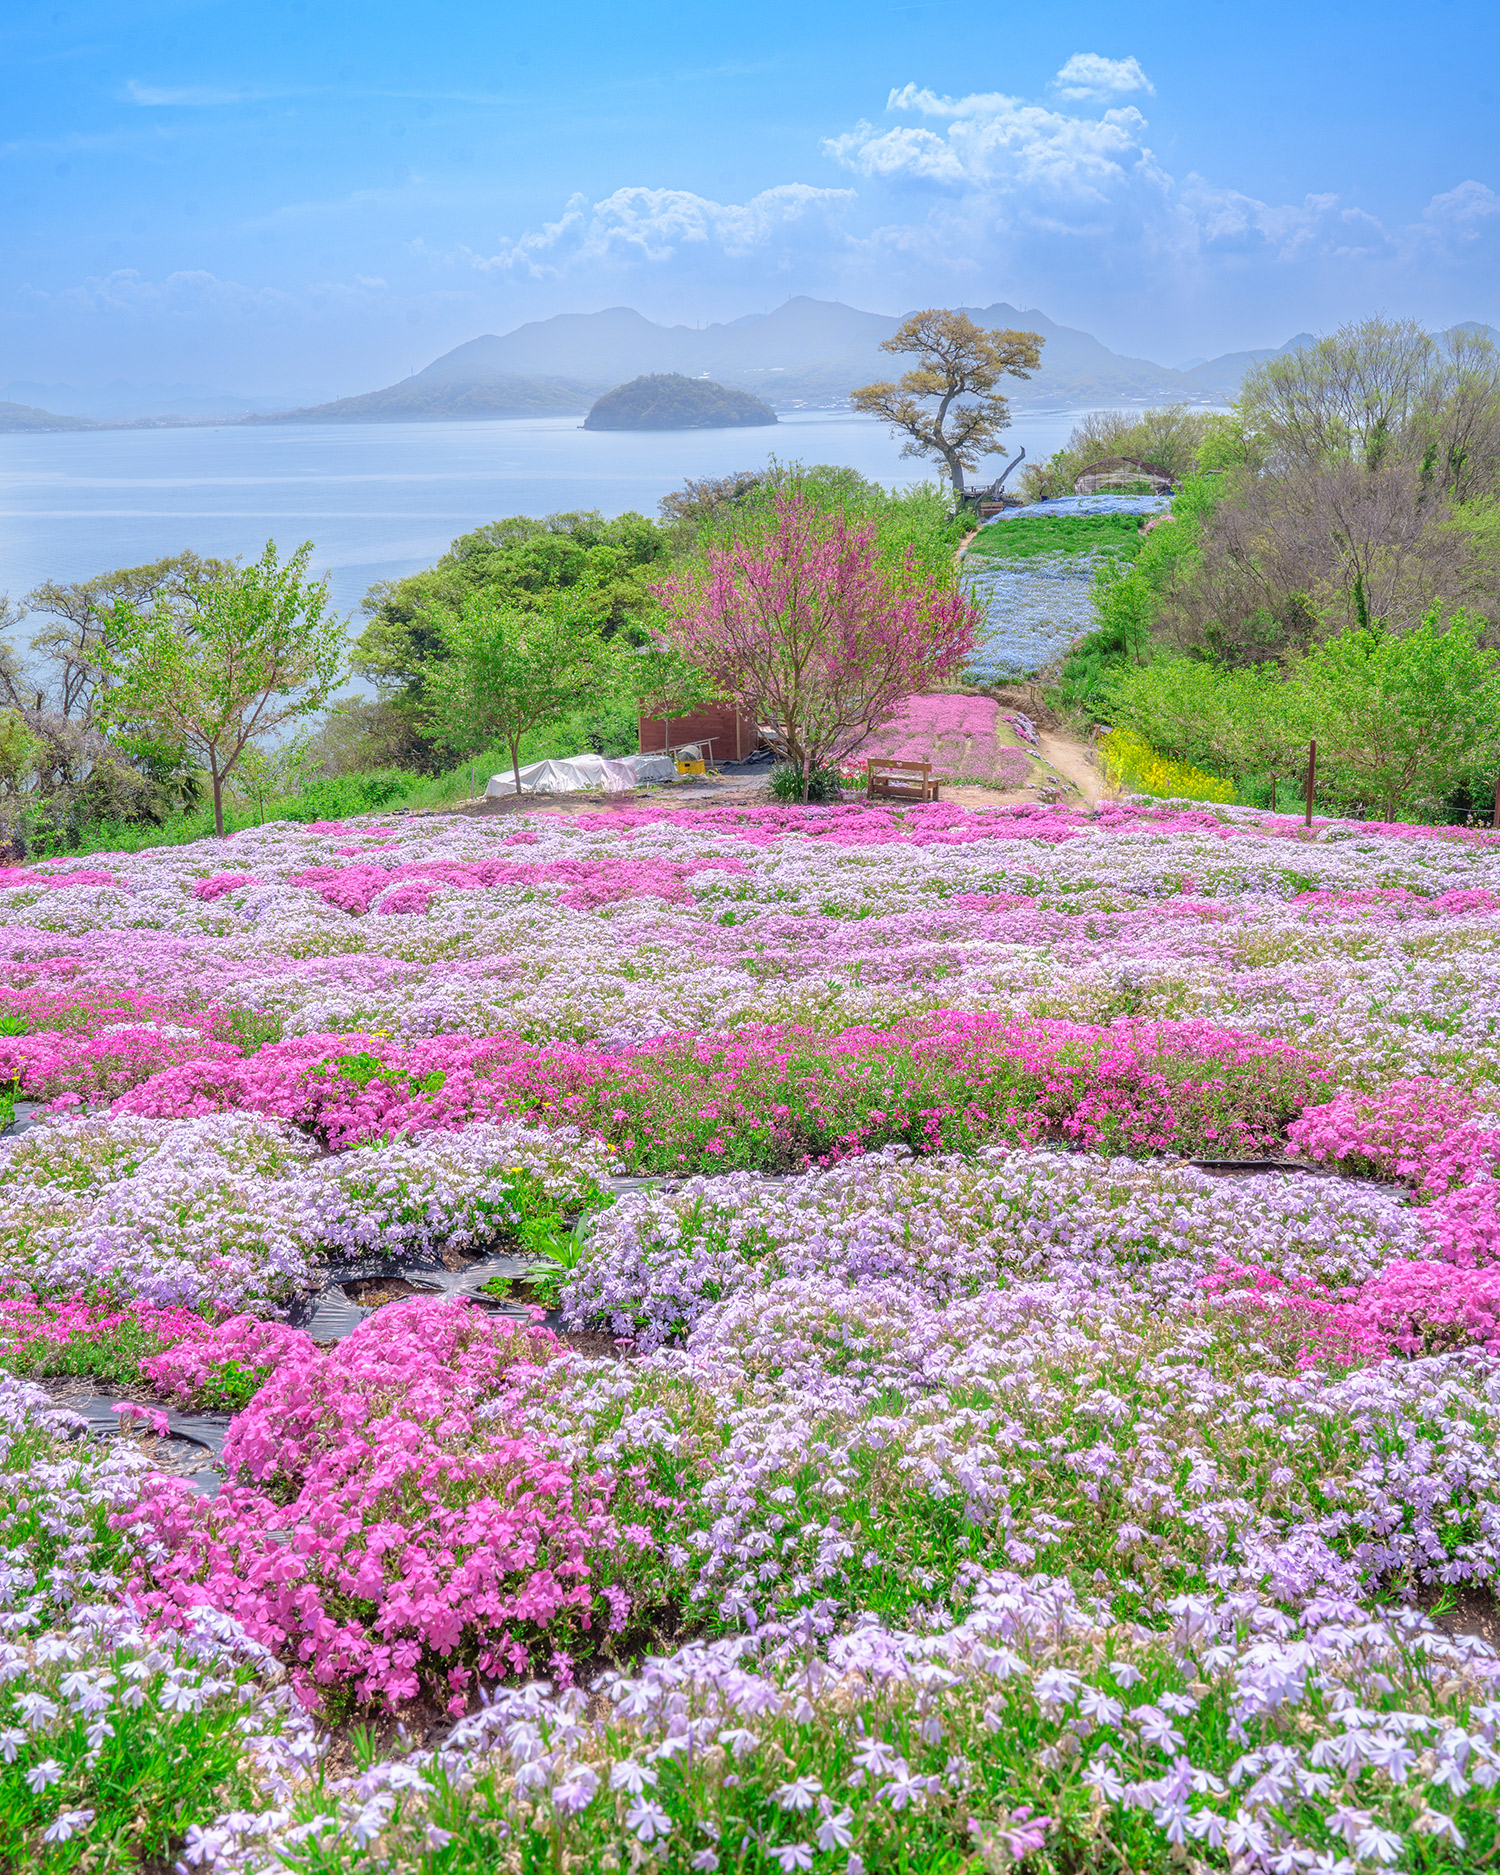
x,y
803,625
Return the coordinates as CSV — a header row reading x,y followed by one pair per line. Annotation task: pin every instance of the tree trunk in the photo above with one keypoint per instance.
x,y
218,802
515,760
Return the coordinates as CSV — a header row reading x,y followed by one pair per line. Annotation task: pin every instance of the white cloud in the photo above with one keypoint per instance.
x,y
663,225
1467,211
1227,222
1004,145
1090,75
194,97
1028,182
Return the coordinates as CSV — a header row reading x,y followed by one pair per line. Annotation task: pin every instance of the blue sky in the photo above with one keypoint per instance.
x,y
319,197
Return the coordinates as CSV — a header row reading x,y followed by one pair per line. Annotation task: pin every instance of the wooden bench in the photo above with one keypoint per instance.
x,y
889,780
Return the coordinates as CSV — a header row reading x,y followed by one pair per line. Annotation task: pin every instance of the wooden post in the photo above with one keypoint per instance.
x,y
1312,775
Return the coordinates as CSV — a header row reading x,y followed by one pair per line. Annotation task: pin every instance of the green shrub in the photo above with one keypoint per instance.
x,y
1128,598
786,784
918,521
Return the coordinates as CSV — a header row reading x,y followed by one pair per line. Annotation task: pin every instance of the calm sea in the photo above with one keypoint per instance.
x,y
377,500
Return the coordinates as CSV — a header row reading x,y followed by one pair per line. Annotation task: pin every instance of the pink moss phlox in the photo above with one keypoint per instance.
x,y
1409,1308
31,1327
1328,906
27,875
931,824
410,887
432,1361
1463,1226
412,895
787,1094
403,1544
53,1063
218,883
955,734
182,1371
1428,1136
69,1005
1418,1132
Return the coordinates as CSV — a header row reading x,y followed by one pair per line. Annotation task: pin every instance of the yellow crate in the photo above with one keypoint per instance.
x,y
691,768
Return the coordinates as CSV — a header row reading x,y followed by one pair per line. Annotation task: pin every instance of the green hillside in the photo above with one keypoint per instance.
x,y
28,417
416,401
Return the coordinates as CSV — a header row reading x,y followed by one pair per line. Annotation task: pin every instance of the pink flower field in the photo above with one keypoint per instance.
x,y
962,737
846,1339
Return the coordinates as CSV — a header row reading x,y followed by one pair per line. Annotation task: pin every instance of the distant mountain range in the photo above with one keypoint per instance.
x,y
808,353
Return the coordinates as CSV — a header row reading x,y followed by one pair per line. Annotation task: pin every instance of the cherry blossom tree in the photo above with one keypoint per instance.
x,y
803,625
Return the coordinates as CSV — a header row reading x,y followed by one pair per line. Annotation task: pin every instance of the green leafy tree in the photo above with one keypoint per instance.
x,y
255,649
916,524
1264,726
522,561
1180,706
17,753
77,624
947,406
1401,718
1351,397
509,669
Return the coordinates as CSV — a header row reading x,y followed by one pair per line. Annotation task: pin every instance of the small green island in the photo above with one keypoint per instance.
x,y
669,401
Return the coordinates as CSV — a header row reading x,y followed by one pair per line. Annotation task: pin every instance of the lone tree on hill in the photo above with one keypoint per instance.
x,y
802,624
249,650
511,669
959,365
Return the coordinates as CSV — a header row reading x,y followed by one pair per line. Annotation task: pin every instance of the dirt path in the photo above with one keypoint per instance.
x,y
1061,763
1074,761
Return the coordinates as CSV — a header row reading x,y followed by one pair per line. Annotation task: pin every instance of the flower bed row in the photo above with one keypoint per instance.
x,y
782,1098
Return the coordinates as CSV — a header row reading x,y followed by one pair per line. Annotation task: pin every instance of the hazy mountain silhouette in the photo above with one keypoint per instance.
x,y
15,417
806,352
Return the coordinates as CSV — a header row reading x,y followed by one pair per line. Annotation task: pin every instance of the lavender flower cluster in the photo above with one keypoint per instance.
x,y
657,1263
235,1211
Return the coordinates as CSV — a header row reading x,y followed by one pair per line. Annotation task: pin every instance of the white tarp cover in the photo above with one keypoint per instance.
x,y
579,772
